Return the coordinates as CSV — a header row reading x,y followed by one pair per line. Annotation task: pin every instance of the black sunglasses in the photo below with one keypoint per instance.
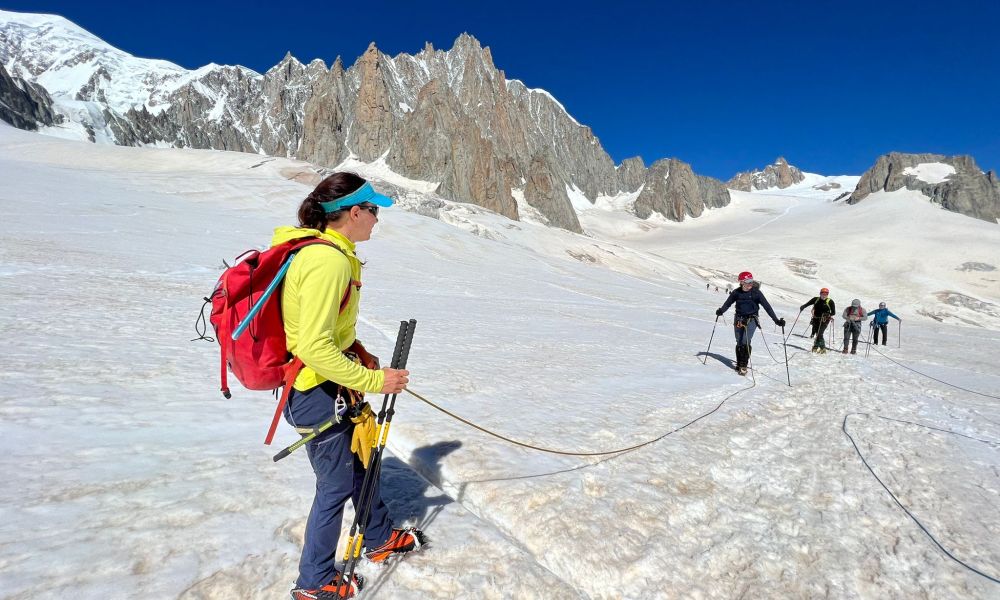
x,y
370,208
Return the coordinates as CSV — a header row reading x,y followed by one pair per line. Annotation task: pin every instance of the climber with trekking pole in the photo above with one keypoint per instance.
x,y
337,371
853,315
748,299
373,466
880,323
285,318
307,344
822,312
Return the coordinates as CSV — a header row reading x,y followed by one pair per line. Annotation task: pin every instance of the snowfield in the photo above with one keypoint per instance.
x,y
127,473
931,172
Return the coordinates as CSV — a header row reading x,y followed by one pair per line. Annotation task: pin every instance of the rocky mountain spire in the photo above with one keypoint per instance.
x,y
373,127
325,118
777,175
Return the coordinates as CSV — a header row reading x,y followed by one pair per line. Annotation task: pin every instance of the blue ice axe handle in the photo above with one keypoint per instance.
x,y
263,298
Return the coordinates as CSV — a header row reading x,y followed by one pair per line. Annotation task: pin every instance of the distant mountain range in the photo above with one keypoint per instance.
x,y
954,182
448,117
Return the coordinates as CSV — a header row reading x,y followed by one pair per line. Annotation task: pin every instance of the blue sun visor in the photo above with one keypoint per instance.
x,y
365,193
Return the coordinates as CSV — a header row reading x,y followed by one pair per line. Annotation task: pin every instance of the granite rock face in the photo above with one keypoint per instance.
x,y
778,175
23,104
325,118
545,192
675,191
955,182
631,174
372,131
449,117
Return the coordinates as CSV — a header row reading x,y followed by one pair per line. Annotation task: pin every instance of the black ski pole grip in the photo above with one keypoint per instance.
x,y
411,325
399,345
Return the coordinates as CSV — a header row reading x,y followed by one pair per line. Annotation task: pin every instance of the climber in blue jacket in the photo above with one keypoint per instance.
x,y
880,321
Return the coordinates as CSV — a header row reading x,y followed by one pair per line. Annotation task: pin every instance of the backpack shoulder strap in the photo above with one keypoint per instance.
x,y
313,241
291,372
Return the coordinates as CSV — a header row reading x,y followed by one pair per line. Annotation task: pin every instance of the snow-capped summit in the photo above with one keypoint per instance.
x,y
73,64
100,91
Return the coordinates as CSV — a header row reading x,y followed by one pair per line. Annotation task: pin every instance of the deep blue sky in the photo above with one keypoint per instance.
x,y
726,86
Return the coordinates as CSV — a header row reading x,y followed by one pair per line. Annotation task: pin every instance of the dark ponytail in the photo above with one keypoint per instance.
x,y
338,185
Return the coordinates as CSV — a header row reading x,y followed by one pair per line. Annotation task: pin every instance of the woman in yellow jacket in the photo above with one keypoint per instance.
x,y
321,332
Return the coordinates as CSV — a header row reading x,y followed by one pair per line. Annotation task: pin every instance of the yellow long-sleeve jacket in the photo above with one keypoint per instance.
x,y
315,329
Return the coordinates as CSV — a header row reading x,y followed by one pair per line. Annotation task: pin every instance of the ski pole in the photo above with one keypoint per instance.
x,y
871,330
704,362
785,346
396,353
374,468
792,329
362,512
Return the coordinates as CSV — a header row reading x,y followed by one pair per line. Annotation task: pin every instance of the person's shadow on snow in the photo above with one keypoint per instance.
x,y
405,490
405,487
722,359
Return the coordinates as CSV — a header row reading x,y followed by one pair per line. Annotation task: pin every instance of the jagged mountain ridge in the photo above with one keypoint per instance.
x,y
446,116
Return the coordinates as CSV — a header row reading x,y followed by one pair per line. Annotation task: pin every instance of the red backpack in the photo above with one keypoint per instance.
x,y
259,356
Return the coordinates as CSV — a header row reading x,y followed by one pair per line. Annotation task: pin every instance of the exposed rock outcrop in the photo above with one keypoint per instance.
x,y
373,126
25,105
631,174
954,182
325,119
546,192
779,175
673,190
